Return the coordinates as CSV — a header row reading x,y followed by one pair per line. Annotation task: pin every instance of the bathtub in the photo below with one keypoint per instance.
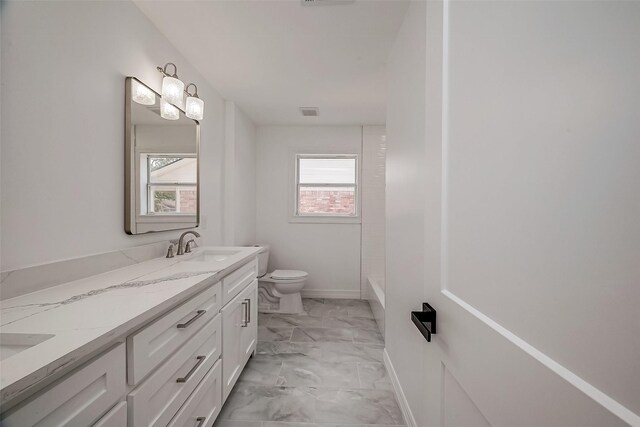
x,y
375,295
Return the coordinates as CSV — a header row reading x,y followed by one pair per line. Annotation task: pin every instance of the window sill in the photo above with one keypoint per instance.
x,y
324,220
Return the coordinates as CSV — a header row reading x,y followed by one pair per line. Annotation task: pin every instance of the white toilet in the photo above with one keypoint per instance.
x,y
279,291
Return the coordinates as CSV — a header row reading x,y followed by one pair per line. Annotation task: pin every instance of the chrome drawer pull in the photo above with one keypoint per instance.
x,y
191,372
200,421
244,322
249,310
199,313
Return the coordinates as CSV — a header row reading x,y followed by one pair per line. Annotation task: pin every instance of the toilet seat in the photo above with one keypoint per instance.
x,y
288,275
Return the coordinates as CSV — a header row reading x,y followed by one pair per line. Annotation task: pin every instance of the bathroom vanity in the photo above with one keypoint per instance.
x,y
159,343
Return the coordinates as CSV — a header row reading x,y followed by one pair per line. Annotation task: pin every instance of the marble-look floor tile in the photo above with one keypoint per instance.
x,y
290,321
250,402
284,350
267,333
357,406
374,376
322,335
234,423
279,424
339,302
328,310
360,311
350,322
261,371
367,336
263,318
318,374
350,352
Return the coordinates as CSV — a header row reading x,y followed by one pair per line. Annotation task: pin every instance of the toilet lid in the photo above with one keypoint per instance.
x,y
288,274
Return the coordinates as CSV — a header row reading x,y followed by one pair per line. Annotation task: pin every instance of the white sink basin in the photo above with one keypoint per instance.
x,y
12,344
214,255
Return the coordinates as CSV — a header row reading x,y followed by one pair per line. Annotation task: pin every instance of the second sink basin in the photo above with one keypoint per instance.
x,y
214,255
12,344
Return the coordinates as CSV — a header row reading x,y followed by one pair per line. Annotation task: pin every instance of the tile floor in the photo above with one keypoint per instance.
x,y
320,370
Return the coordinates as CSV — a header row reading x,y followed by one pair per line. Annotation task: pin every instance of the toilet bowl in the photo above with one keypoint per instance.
x,y
279,291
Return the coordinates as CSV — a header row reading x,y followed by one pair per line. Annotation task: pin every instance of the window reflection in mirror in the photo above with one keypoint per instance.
x,y
171,184
161,165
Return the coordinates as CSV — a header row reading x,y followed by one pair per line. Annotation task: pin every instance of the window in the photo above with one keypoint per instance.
x,y
326,185
171,184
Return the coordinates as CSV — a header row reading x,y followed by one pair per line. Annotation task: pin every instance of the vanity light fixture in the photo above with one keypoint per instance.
x,y
194,105
172,86
142,94
168,111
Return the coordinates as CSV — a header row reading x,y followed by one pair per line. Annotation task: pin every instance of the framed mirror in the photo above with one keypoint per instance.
x,y
162,186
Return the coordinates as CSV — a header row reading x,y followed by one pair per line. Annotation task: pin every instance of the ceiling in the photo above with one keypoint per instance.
x,y
272,57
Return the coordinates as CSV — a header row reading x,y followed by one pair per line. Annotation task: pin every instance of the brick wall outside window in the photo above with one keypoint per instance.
x,y
188,201
326,202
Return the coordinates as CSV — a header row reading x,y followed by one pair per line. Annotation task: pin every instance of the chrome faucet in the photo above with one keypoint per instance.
x,y
189,246
180,245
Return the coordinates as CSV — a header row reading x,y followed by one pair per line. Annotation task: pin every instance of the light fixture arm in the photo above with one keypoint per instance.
x,y
195,90
166,73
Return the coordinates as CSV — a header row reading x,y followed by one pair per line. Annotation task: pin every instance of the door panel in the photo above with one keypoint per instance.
x,y
531,138
459,409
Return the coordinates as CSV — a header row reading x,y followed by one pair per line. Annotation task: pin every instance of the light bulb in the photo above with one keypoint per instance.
x,y
168,111
195,108
142,94
173,90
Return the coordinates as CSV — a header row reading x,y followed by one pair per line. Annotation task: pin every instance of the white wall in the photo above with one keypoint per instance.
x,y
63,71
330,253
240,178
374,147
405,208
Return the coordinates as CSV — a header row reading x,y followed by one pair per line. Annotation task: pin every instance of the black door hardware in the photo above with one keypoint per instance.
x,y
425,320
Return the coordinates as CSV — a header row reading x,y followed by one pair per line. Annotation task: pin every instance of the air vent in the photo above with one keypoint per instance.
x,y
310,111
325,2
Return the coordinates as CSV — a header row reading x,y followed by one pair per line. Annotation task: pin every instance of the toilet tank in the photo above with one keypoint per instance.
x,y
263,260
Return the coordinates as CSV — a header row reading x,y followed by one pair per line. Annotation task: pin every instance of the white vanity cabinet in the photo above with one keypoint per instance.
x,y
175,370
239,334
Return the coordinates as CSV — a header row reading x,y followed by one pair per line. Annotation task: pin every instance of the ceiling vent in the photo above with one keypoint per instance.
x,y
325,2
310,111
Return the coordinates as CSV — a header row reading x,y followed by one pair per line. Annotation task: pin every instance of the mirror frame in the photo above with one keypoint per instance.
x,y
130,206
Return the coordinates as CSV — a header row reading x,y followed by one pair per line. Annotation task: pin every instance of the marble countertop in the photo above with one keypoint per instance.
x,y
85,316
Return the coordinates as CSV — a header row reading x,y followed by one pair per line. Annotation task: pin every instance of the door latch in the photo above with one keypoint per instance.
x,y
425,320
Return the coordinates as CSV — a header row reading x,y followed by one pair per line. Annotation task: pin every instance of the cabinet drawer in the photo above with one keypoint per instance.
x,y
116,417
78,399
238,280
160,396
148,347
204,404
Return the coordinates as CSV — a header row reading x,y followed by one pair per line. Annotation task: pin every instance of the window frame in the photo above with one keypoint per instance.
x,y
325,217
151,184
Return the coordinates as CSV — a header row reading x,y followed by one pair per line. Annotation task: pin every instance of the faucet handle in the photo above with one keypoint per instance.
x,y
190,245
170,251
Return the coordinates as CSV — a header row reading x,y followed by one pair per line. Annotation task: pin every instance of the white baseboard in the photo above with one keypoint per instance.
x,y
330,293
402,399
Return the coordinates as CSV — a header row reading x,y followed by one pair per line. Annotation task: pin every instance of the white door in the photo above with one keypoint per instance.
x,y
532,216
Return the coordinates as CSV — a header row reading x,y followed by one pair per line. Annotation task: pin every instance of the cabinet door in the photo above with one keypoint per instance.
x,y
240,334
249,334
233,317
